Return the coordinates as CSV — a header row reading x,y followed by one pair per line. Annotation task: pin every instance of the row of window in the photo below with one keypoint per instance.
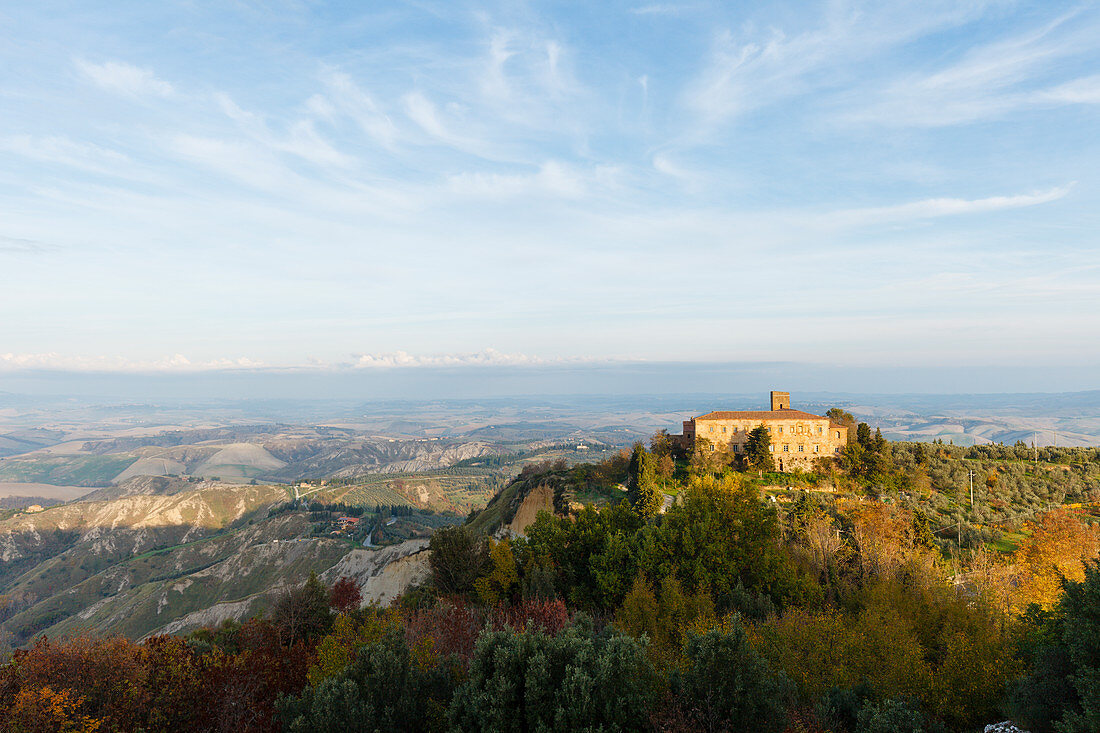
x,y
794,431
786,448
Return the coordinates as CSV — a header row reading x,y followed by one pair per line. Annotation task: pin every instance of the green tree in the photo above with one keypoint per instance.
x,y
642,484
729,685
575,680
384,689
459,557
720,535
863,436
303,612
891,716
758,449
1081,638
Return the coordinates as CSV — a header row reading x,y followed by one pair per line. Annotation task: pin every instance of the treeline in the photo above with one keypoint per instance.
x,y
724,612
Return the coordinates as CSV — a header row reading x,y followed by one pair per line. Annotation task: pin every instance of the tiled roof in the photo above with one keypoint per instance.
x,y
759,415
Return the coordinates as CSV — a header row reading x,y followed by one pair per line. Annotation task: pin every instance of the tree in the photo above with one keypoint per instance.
x,y
1081,638
345,596
502,576
838,416
384,689
574,680
728,685
891,716
863,436
758,449
721,534
642,484
303,612
458,558
1059,547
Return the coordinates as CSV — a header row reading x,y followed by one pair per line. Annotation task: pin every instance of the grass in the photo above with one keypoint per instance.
x,y
1008,542
65,470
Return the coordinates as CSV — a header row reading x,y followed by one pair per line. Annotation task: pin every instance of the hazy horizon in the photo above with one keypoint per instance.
x,y
620,379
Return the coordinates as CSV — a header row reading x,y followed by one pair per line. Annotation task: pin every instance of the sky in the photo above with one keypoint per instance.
x,y
209,186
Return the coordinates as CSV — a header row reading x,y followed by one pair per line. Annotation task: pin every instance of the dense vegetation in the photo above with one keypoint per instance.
x,y
870,596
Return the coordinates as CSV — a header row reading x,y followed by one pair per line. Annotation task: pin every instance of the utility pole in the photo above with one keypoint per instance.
x,y
972,488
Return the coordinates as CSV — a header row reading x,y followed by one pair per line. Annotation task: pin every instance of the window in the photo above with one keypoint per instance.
x,y
817,449
780,429
838,435
723,428
771,448
820,430
836,450
786,448
800,448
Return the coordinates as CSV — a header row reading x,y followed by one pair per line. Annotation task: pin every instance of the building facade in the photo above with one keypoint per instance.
x,y
799,438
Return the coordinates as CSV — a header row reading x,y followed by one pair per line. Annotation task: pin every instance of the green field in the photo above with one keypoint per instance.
x,y
65,470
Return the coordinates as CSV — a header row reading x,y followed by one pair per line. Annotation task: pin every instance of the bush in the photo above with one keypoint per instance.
x,y
728,685
384,689
576,681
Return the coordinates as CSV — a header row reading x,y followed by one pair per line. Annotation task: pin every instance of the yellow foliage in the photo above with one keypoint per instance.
x,y
502,576
1058,547
44,709
665,618
338,648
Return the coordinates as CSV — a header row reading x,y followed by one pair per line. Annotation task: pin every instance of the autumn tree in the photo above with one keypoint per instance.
x,y
502,576
1059,547
345,596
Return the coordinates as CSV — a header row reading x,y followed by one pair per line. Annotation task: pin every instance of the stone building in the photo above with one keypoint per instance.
x,y
798,438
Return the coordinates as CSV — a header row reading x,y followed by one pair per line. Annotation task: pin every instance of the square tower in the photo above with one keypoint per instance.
x,y
781,401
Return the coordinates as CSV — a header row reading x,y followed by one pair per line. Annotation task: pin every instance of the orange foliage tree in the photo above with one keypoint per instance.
x,y
1059,546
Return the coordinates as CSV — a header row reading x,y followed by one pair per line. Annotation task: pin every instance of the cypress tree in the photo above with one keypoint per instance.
x,y
642,483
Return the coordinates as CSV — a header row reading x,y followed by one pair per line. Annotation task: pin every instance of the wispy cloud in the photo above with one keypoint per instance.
x,y
939,207
488,357
17,245
123,78
990,80
657,9
60,149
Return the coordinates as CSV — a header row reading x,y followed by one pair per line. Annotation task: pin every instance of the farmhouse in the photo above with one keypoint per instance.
x,y
798,438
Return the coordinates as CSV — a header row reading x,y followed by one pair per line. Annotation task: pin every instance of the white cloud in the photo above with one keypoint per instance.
x,y
59,149
989,81
18,245
423,112
657,9
488,357
553,178
122,78
351,99
754,68
933,208
301,139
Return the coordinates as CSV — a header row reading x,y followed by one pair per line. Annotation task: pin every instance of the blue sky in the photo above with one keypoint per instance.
x,y
202,185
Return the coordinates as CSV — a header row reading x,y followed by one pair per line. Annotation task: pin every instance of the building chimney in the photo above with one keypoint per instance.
x,y
781,400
